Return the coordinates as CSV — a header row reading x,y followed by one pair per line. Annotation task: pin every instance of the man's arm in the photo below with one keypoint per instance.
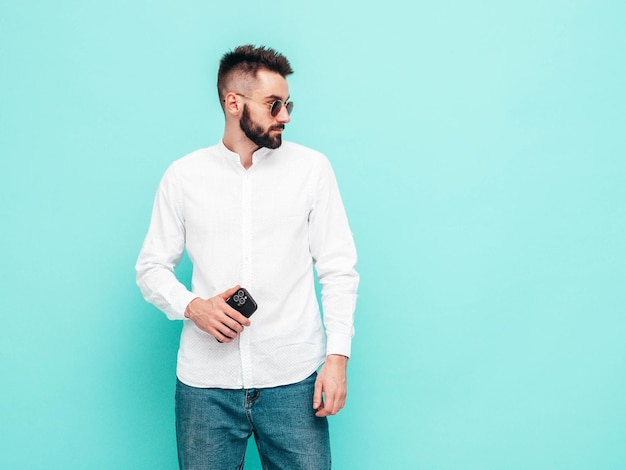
x,y
334,254
163,249
333,251
160,254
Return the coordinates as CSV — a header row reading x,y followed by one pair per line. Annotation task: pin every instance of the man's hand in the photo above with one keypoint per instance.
x,y
331,386
216,317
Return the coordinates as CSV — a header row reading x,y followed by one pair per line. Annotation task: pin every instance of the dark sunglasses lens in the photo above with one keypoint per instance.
x,y
276,105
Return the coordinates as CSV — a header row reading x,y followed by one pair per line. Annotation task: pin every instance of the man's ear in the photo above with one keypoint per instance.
x,y
232,104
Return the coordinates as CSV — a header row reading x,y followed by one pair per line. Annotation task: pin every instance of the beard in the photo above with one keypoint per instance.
x,y
257,134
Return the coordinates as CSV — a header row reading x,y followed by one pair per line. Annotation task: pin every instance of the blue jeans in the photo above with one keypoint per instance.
x,y
213,426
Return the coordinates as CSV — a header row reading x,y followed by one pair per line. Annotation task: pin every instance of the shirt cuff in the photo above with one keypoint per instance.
x,y
180,304
338,344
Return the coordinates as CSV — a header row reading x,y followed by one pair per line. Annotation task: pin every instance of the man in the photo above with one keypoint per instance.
x,y
256,212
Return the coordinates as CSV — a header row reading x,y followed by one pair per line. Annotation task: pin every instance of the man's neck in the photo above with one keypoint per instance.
x,y
242,146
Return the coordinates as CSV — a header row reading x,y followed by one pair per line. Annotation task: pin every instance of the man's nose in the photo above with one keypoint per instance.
x,y
283,116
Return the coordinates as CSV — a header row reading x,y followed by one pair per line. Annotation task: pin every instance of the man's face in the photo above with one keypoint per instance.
x,y
256,121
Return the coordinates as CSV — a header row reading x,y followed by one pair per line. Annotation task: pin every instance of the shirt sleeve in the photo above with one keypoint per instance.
x,y
334,254
162,250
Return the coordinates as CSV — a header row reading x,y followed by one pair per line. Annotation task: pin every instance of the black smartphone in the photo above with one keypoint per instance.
x,y
243,302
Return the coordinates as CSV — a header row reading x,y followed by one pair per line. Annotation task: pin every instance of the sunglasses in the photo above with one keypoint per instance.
x,y
275,106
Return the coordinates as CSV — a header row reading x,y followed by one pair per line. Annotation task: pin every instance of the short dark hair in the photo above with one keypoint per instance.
x,y
248,60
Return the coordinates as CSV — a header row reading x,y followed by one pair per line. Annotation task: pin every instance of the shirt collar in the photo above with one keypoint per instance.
x,y
256,156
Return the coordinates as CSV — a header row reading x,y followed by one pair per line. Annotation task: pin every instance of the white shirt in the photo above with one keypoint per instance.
x,y
263,228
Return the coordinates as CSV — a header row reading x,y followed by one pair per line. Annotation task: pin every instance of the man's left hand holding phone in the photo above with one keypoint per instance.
x,y
217,317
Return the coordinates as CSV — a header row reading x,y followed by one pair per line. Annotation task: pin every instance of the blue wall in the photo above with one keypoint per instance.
x,y
480,147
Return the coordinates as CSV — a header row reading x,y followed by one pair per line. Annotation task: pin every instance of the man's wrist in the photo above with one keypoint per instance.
x,y
187,312
337,358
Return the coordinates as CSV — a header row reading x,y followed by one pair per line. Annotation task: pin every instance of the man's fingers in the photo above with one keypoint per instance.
x,y
333,399
236,317
317,395
227,334
330,402
231,312
229,292
234,320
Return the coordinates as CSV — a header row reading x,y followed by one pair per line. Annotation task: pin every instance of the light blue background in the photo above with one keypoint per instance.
x,y
480,149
